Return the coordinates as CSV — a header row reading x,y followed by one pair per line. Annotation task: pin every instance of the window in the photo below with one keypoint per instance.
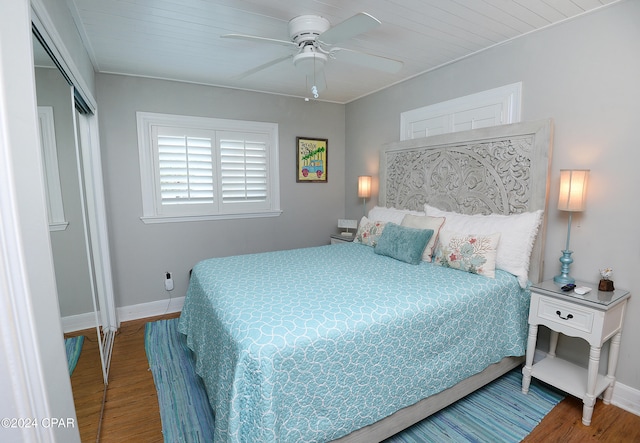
x,y
493,107
55,209
196,168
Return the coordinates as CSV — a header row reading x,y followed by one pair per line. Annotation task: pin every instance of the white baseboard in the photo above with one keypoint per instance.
x,y
78,322
624,397
151,309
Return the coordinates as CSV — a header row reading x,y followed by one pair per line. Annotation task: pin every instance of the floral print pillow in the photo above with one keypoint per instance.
x,y
468,252
369,232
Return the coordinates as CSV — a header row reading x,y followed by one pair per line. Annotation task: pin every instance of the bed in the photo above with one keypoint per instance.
x,y
347,342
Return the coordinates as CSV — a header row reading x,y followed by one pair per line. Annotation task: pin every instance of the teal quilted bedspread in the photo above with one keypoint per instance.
x,y
310,344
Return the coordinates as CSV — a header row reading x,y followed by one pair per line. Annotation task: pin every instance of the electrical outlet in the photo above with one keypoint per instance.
x,y
168,281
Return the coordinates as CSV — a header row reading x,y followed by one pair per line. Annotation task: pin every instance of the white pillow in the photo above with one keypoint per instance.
x,y
517,235
393,215
425,222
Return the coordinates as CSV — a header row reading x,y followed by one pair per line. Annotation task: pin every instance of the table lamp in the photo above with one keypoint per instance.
x,y
573,193
364,190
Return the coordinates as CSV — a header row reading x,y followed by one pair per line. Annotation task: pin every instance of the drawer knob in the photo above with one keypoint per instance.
x,y
568,317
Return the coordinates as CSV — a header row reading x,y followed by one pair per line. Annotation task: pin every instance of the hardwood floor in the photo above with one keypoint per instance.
x,y
564,424
131,411
88,385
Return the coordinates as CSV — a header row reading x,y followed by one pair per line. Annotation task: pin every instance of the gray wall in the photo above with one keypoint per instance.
x,y
68,246
584,74
141,253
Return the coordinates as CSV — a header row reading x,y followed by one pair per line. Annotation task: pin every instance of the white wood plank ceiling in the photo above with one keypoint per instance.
x,y
180,39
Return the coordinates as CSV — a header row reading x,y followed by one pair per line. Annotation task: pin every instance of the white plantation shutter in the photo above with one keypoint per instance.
x,y
207,168
243,167
185,168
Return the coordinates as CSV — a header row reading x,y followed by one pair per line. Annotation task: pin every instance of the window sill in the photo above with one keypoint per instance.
x,y
191,218
58,226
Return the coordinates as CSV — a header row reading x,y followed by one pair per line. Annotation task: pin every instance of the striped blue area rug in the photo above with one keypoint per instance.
x,y
184,406
499,412
73,346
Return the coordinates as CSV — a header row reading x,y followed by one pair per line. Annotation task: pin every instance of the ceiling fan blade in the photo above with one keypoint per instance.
x,y
359,23
263,66
255,38
367,60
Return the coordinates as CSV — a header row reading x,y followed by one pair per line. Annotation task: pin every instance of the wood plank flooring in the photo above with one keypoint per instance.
x,y
131,411
88,385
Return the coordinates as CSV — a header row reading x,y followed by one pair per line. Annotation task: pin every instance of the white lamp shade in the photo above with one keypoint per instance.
x,y
364,186
573,189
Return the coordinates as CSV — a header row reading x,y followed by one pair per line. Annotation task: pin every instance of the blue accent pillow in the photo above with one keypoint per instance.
x,y
403,243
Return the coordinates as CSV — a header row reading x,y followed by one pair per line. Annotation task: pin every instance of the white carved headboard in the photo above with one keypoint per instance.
x,y
501,169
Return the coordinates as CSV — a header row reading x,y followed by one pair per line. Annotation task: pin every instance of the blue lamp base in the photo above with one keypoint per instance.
x,y
564,278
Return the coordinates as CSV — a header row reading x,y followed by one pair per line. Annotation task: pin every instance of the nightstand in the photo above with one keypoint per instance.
x,y
337,238
596,317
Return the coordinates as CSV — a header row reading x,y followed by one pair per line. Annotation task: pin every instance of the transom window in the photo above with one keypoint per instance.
x,y
204,168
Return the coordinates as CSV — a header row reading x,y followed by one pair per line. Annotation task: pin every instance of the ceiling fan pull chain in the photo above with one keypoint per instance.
x,y
314,88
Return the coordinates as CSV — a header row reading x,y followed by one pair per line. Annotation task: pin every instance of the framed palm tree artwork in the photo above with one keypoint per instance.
x,y
311,160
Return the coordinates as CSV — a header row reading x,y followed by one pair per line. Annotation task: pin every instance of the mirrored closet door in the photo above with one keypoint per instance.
x,y
68,133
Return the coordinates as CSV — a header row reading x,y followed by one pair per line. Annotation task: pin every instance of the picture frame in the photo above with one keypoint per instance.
x,y
311,159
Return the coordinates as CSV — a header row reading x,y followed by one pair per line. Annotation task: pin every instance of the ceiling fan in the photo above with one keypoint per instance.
x,y
312,44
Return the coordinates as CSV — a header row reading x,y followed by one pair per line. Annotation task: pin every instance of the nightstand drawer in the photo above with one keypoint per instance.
x,y
567,315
